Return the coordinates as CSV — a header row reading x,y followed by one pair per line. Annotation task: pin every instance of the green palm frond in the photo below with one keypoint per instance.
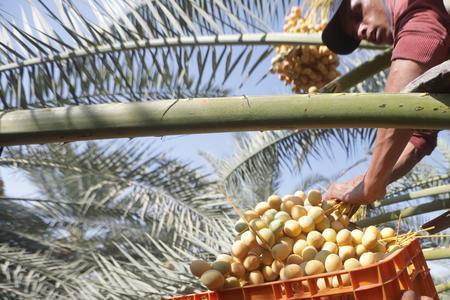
x,y
130,51
63,228
256,154
421,176
22,225
367,75
112,57
152,266
135,182
430,181
153,270
38,276
136,255
322,182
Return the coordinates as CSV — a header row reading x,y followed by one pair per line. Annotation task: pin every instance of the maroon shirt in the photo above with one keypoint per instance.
x,y
421,30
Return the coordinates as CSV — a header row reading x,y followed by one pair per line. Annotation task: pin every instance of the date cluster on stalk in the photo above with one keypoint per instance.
x,y
294,236
306,68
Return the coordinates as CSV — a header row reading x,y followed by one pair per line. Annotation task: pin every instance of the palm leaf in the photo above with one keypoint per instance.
x,y
368,75
132,261
421,176
322,182
38,276
135,182
133,50
153,269
257,154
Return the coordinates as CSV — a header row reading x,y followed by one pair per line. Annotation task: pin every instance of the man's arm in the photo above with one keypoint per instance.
x,y
401,73
421,144
407,160
387,164
388,147
393,156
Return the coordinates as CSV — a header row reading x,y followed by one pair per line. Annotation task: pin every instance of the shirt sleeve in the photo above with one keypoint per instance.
x,y
421,36
424,141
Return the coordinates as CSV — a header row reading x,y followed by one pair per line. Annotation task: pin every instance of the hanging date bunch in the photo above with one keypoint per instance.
x,y
306,68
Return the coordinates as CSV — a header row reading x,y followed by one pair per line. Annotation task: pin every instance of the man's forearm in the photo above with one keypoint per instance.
x,y
407,160
389,145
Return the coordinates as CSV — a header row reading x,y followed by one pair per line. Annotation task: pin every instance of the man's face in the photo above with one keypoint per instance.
x,y
365,20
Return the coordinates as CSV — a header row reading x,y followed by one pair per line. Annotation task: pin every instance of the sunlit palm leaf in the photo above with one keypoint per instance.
x,y
256,154
323,182
147,274
63,228
121,177
423,175
158,267
362,57
127,51
364,71
38,276
61,71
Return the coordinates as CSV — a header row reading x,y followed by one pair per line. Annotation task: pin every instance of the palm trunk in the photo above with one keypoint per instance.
x,y
227,114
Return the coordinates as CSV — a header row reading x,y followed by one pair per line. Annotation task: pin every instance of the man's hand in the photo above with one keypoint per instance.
x,y
391,158
355,191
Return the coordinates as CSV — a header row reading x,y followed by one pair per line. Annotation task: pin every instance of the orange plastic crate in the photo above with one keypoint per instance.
x,y
385,280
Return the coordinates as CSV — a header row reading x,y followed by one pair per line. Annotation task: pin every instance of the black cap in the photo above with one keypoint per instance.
x,y
334,37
